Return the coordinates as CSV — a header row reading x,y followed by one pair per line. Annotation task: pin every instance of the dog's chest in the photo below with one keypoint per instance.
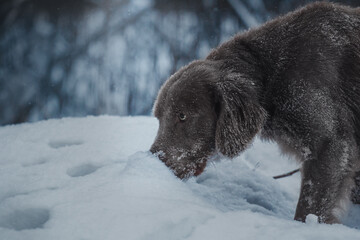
x,y
287,140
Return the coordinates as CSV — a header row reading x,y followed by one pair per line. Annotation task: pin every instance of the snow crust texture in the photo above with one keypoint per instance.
x,y
94,178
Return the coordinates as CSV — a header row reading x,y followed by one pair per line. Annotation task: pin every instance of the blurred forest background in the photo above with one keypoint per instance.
x,y
91,57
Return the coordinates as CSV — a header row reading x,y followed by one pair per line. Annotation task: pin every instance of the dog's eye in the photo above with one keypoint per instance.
x,y
182,117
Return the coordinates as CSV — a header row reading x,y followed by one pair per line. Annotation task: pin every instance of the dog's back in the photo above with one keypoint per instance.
x,y
316,48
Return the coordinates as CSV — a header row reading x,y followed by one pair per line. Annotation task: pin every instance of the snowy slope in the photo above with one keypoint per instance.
x,y
93,178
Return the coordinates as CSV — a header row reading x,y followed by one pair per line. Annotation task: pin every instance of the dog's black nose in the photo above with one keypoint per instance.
x,y
154,149
158,152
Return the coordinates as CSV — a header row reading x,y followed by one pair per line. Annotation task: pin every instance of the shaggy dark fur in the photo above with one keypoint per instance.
x,y
295,80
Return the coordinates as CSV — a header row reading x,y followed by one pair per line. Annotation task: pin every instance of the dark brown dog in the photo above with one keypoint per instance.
x,y
294,80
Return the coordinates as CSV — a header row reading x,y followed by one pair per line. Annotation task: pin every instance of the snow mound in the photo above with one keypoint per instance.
x,y
94,178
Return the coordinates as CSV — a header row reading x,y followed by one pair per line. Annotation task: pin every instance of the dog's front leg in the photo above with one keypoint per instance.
x,y
327,179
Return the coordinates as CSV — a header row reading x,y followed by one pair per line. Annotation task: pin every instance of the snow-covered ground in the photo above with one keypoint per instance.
x,y
93,178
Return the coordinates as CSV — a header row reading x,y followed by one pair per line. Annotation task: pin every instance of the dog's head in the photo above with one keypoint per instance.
x,y
202,111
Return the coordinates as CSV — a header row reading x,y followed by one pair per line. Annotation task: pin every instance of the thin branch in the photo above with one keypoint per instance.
x,y
287,174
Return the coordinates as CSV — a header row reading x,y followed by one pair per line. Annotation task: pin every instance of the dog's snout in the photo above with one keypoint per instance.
x,y
154,149
158,152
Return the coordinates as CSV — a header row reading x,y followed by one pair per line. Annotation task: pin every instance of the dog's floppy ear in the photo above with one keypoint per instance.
x,y
240,116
